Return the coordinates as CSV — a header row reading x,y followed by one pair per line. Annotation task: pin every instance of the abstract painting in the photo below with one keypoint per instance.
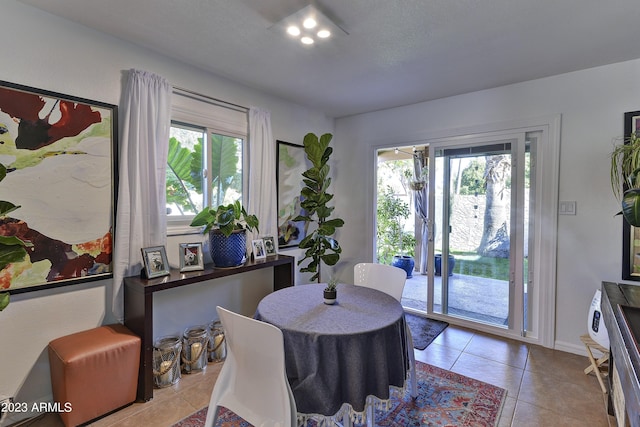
x,y
291,163
57,181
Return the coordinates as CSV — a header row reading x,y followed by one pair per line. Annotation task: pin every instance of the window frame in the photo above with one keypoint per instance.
x,y
212,119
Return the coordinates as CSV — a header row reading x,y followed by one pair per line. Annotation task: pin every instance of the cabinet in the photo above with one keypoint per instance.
x,y
138,303
624,363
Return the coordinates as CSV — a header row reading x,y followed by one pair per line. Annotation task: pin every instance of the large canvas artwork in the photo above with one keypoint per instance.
x,y
291,163
631,235
57,181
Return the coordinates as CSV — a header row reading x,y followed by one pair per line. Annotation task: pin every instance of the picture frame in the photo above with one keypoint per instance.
x,y
269,245
292,162
630,234
60,152
191,257
155,262
258,249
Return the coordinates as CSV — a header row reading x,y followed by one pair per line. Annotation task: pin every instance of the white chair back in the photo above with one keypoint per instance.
x,y
253,381
385,278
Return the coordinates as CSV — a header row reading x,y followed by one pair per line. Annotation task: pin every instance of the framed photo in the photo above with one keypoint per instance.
x,y
269,245
630,234
258,249
292,162
59,153
191,258
155,262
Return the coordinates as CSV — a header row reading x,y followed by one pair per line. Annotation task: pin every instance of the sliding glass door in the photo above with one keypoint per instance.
x,y
480,200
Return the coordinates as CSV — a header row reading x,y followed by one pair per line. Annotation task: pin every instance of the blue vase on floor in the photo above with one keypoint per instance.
x,y
438,263
404,262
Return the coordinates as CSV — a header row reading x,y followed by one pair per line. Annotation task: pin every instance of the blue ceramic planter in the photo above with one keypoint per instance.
x,y
452,263
404,262
228,251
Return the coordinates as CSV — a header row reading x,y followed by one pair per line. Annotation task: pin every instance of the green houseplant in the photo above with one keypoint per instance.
x,y
12,249
625,181
227,226
319,245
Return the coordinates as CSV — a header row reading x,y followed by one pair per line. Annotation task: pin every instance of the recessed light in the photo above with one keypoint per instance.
x,y
309,23
293,30
323,34
306,40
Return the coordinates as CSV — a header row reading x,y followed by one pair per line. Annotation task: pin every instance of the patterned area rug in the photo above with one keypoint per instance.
x,y
444,399
423,330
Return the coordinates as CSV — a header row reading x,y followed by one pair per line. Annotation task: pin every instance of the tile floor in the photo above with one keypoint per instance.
x,y
544,387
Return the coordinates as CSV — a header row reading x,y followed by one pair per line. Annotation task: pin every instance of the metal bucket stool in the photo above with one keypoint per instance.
x,y
217,343
166,361
194,348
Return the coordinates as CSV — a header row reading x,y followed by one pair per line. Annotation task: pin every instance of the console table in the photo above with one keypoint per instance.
x,y
138,303
624,363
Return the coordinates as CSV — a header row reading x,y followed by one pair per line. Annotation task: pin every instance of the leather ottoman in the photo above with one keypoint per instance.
x,y
94,372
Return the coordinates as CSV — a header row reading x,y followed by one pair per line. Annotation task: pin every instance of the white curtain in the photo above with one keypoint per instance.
x,y
141,221
421,201
262,200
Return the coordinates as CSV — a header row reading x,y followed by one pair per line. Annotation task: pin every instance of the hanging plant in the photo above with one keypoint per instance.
x,y
320,246
625,179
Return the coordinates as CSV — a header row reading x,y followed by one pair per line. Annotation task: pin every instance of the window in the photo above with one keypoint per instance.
x,y
206,158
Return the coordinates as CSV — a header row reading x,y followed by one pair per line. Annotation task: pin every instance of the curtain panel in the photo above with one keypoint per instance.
x,y
262,198
141,211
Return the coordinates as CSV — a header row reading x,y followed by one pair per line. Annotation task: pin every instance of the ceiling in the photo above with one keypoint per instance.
x,y
396,52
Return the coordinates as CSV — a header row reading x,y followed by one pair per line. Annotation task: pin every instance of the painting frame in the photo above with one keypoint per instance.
x,y
630,234
191,257
155,262
270,247
259,253
42,134
291,163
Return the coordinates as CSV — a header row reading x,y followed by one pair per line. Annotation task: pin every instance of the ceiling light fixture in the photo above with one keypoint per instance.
x,y
309,25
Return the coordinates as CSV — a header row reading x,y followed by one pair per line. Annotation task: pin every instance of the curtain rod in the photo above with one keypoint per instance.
x,y
215,101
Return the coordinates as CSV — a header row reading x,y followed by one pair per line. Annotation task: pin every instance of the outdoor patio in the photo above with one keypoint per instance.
x,y
477,298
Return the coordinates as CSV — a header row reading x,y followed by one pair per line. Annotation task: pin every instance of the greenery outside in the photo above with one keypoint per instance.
x,y
185,164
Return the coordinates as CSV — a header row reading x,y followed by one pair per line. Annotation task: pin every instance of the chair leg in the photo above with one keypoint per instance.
x,y
412,363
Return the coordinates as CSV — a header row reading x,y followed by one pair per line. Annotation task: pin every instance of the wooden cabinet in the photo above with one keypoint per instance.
x,y
138,303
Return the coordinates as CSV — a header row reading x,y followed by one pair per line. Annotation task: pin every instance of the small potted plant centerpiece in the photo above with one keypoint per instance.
x,y
330,292
227,226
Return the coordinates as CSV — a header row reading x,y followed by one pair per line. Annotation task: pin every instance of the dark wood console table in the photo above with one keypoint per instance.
x,y
624,363
138,303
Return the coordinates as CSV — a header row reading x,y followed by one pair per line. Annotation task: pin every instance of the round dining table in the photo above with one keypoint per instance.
x,y
345,353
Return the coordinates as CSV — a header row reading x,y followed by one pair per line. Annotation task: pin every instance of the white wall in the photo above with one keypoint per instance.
x,y
592,103
50,53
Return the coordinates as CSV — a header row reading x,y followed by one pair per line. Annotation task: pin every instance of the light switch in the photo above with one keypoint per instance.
x,y
567,208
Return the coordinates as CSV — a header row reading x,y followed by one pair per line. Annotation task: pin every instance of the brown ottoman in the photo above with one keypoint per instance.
x,y
94,372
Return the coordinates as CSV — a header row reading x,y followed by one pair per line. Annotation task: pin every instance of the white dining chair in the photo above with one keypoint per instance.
x,y
390,280
253,381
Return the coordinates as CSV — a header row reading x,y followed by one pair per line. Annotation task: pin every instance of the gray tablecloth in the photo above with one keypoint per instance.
x,y
338,353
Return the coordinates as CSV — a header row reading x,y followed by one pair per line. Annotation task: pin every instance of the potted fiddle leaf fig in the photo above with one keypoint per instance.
x,y
319,245
625,177
227,226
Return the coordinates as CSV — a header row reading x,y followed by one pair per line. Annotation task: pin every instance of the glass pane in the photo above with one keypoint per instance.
x,y
184,171
226,169
472,233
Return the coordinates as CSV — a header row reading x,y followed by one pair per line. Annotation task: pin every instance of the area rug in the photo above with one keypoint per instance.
x,y
444,399
423,330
